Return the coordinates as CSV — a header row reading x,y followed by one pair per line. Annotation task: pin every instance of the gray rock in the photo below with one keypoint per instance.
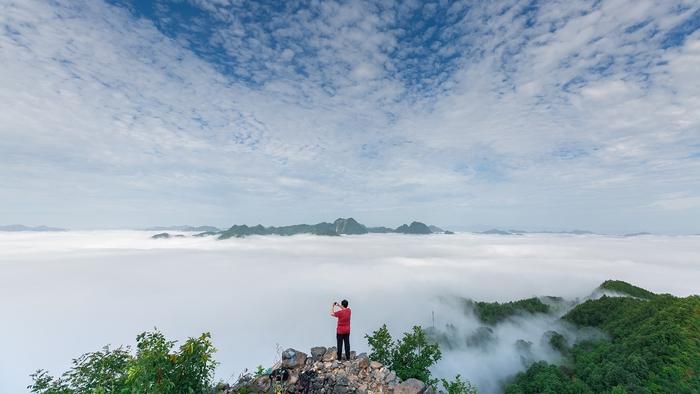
x,y
331,354
410,386
362,361
390,377
317,352
292,358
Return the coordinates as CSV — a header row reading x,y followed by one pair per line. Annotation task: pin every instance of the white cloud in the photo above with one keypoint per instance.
x,y
562,103
74,292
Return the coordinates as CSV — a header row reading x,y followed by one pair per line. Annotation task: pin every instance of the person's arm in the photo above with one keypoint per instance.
x,y
333,309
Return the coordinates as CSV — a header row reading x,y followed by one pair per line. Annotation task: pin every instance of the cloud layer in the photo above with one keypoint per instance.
x,y
73,292
516,113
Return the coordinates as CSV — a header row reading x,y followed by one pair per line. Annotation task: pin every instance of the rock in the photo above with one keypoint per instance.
x,y
262,384
410,386
322,373
391,376
317,352
362,361
353,355
331,354
352,369
292,358
293,378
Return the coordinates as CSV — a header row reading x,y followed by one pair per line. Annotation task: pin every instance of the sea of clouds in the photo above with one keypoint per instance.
x,y
63,294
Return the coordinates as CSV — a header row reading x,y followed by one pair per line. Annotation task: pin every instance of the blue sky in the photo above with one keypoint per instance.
x,y
527,114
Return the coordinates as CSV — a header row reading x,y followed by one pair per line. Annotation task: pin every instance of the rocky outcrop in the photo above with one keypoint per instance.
x,y
320,372
411,386
349,226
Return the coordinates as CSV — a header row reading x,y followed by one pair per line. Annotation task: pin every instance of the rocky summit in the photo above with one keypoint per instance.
x,y
321,372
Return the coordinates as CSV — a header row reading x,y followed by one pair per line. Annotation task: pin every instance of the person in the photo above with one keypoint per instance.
x,y
343,331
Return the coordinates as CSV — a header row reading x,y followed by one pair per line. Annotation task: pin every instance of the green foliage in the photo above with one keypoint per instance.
x,y
655,344
153,369
413,355
557,341
458,386
654,347
409,357
381,346
259,371
626,288
543,378
494,312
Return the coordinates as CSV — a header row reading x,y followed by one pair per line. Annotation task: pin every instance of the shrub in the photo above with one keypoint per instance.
x,y
458,386
409,357
153,369
381,345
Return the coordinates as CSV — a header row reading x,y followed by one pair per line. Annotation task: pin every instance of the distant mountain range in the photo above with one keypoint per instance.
x,y
340,226
495,231
21,227
184,228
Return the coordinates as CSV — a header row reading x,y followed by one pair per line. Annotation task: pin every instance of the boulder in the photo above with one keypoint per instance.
x,y
331,354
292,358
375,364
317,352
390,377
410,386
362,361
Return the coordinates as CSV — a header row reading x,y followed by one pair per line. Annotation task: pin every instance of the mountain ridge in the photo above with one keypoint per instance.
x,y
340,226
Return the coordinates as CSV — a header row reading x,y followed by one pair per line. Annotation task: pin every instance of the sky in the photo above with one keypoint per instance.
x,y
519,114
68,293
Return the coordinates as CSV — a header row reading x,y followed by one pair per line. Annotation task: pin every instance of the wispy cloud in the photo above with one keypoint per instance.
x,y
509,113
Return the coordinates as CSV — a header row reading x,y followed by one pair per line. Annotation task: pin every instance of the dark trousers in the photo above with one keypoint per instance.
x,y
343,338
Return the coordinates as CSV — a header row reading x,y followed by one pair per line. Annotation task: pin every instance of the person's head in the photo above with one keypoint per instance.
x,y
344,303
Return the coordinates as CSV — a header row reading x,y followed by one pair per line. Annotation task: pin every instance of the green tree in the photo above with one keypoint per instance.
x,y
155,368
543,378
414,355
381,345
458,386
410,357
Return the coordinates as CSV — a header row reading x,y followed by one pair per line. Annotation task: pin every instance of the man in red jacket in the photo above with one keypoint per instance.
x,y
343,330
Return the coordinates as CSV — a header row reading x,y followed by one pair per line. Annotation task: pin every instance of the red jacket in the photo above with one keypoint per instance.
x,y
343,316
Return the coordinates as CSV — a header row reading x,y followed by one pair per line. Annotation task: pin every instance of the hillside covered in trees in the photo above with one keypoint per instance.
x,y
654,347
650,343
